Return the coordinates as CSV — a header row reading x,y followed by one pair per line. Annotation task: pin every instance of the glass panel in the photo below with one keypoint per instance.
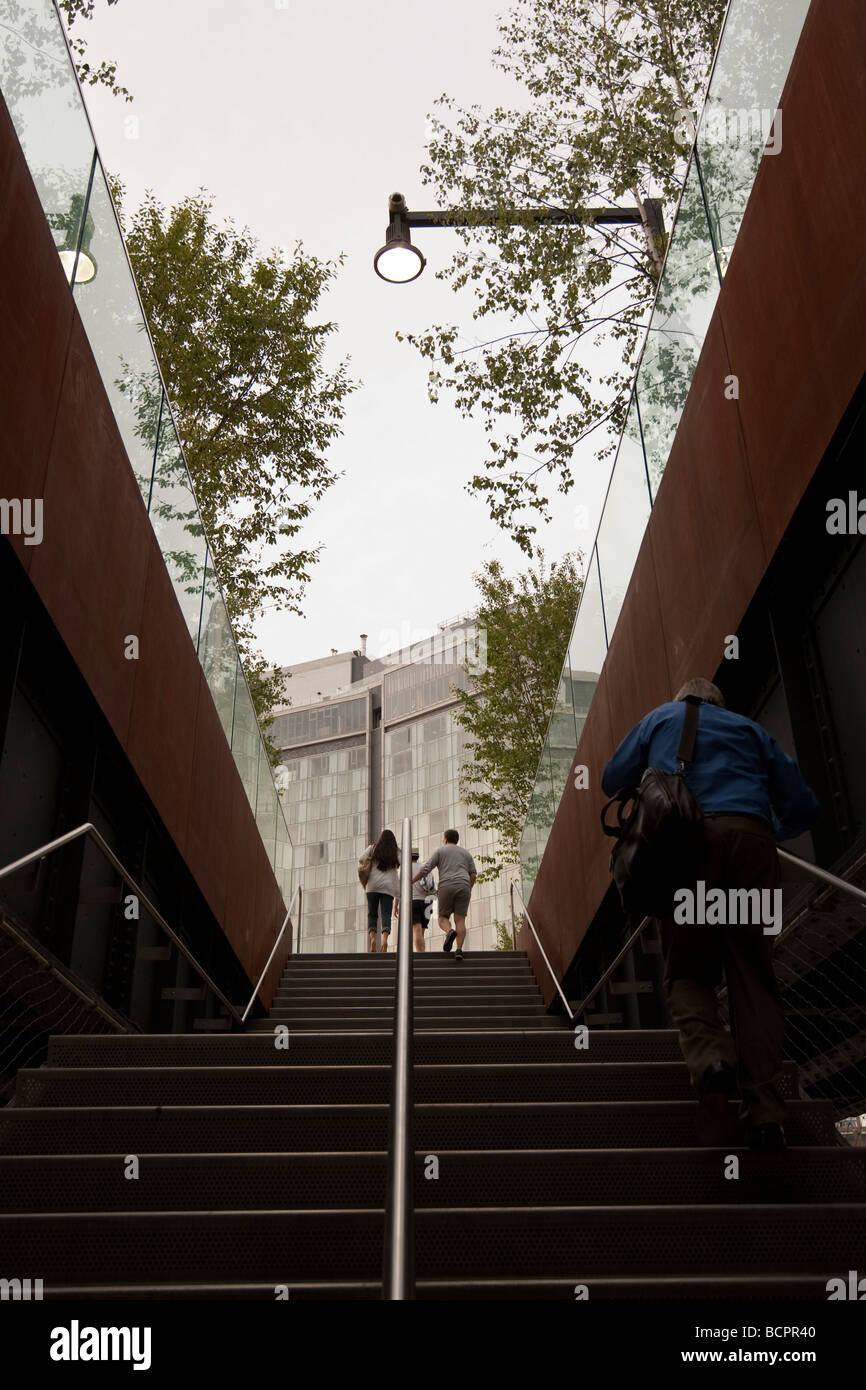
x,y
587,648
266,806
537,823
684,305
217,652
40,90
623,522
562,731
178,526
44,101
114,322
246,740
738,117
547,801
754,57
284,857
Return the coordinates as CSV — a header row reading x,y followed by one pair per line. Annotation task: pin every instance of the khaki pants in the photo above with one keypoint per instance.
x,y
741,853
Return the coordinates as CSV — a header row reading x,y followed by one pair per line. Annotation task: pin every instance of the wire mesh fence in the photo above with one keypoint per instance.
x,y
37,1000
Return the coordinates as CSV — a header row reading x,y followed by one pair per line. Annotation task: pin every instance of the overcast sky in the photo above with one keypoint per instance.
x,y
301,117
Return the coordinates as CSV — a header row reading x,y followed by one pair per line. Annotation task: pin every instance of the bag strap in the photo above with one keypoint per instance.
x,y
685,752
625,798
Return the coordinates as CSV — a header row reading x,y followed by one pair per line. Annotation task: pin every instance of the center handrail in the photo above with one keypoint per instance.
x,y
398,1278
531,925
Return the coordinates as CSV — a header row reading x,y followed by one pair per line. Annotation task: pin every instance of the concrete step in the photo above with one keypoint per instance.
x,y
575,1242
266,1181
283,1128
453,1008
307,1048
754,1288
463,1082
434,994
377,1022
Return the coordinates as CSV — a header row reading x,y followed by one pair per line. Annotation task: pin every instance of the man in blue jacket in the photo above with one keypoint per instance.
x,y
751,795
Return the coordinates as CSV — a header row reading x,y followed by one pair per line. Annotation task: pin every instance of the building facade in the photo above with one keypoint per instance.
x,y
362,758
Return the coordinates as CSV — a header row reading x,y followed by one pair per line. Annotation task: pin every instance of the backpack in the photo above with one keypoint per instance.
x,y
659,833
365,868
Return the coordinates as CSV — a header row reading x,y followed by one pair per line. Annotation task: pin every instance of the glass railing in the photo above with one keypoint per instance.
x,y
752,61
40,88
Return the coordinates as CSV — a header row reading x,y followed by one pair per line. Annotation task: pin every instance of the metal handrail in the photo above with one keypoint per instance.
x,y
599,985
296,894
823,875
88,828
531,926
398,1278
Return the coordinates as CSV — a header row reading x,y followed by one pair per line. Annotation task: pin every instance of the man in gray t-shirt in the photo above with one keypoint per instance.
x,y
457,875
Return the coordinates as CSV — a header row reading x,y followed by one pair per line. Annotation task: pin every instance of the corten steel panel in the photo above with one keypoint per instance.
x,y
209,844
91,568
706,543
100,573
35,320
638,653
794,301
789,325
269,914
573,877
240,872
162,728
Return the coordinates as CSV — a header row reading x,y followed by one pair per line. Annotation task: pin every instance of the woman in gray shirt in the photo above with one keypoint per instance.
x,y
383,886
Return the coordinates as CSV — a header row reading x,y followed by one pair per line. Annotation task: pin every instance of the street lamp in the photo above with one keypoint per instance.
x,y
74,257
399,261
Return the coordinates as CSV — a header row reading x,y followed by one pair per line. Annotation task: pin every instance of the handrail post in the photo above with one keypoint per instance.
x,y
513,932
398,1281
300,913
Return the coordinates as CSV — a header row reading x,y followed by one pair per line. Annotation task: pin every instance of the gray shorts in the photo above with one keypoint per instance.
x,y
453,897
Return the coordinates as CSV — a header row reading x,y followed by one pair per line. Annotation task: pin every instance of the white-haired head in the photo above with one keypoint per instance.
x,y
701,690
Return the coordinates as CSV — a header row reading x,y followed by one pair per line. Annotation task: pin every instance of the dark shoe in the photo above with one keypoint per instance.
x,y
767,1139
449,940
458,954
716,1124
718,1077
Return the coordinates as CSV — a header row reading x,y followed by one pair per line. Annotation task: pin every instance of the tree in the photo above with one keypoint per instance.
x,y
503,937
611,86
105,74
242,357
528,621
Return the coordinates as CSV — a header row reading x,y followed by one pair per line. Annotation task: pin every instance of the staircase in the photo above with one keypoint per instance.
x,y
539,1167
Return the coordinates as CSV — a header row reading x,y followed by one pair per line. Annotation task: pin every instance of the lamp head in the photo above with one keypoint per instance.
x,y
85,270
398,261
77,239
